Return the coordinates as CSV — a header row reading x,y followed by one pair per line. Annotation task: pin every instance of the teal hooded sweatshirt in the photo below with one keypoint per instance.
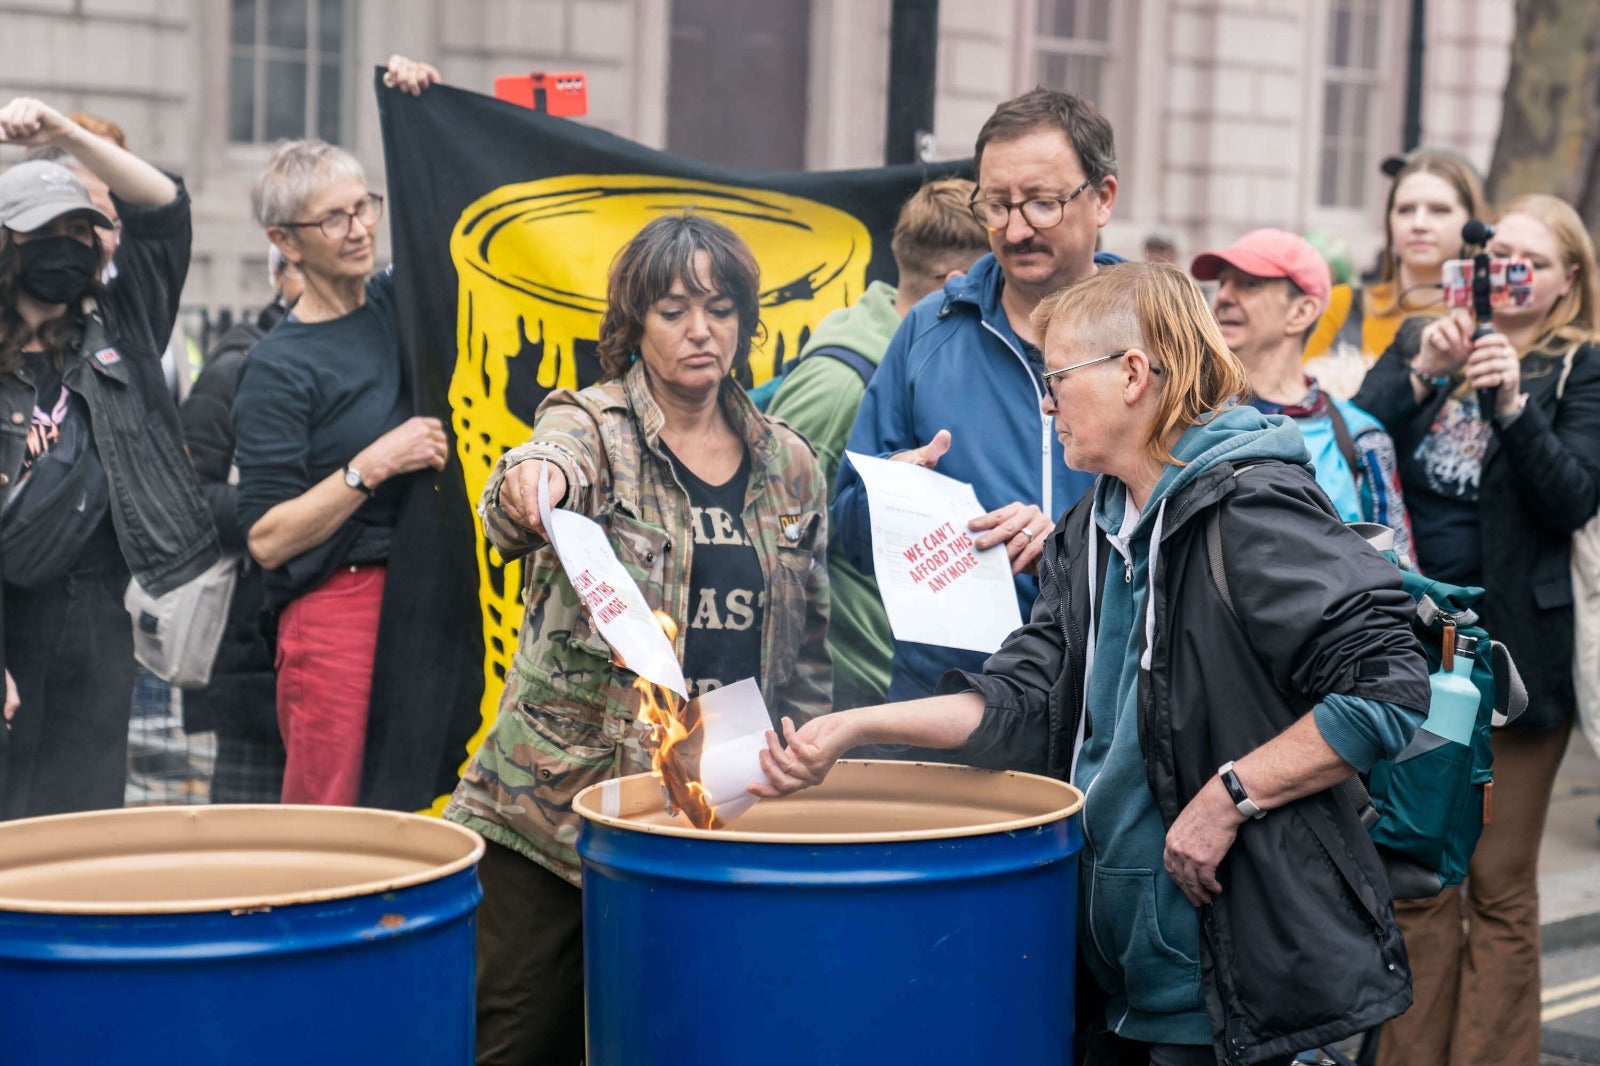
x,y
1140,936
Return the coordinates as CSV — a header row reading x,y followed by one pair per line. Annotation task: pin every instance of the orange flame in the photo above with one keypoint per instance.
x,y
675,739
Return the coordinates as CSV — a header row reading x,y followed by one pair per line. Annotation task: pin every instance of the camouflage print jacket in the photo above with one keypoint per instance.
x,y
566,719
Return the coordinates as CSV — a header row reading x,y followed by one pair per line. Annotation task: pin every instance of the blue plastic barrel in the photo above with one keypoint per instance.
x,y
241,935
900,913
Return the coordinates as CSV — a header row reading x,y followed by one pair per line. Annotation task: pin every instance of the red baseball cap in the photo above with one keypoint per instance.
x,y
1270,253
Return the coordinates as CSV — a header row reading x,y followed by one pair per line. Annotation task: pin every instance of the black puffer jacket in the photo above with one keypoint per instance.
x,y
1301,947
1540,483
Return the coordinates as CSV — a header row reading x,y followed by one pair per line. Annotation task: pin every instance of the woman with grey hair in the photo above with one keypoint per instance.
x,y
324,438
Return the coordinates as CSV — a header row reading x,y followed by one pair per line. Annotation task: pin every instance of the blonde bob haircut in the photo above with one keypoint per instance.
x,y
1161,311
1575,317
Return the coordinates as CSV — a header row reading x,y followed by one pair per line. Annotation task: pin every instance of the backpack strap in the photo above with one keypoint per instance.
x,y
1510,693
863,366
1380,536
1430,614
1219,574
1352,788
1347,443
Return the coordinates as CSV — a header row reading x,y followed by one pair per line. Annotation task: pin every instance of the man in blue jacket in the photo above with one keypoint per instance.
x,y
960,385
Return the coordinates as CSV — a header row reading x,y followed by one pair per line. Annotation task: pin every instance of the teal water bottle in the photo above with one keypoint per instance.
x,y
1453,707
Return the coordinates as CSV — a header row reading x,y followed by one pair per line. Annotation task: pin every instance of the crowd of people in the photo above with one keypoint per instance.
x,y
1114,423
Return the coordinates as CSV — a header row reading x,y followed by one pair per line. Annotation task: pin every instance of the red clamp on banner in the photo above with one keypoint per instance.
x,y
563,94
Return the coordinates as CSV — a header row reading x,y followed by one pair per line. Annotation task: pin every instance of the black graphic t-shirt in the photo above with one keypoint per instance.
x,y
727,593
1441,478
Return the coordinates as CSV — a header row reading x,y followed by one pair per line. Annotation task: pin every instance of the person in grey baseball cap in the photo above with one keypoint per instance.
x,y
95,486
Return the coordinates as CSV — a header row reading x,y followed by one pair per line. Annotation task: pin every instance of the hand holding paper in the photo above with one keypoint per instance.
x,y
520,492
732,721
618,608
937,586
735,721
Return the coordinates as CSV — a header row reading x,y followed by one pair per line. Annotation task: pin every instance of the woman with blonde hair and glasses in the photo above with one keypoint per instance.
x,y
1182,714
324,436
1495,494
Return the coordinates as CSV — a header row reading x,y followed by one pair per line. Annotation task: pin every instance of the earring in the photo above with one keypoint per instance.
x,y
634,358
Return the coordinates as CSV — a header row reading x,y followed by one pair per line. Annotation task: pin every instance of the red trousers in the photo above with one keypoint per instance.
x,y
326,643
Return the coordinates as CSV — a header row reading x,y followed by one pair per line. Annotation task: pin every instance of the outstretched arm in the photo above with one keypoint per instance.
x,y
943,722
30,122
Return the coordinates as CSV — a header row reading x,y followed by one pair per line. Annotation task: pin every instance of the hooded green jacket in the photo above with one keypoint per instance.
x,y
819,399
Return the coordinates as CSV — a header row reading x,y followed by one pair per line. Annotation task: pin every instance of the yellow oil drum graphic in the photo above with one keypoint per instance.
x,y
532,260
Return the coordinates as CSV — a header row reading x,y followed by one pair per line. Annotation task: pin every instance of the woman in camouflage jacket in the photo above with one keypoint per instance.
x,y
652,453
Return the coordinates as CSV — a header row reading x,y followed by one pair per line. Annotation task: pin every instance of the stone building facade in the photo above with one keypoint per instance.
x,y
1229,113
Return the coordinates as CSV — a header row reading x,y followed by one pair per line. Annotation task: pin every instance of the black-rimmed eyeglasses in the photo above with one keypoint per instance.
x,y
1041,212
1051,376
335,225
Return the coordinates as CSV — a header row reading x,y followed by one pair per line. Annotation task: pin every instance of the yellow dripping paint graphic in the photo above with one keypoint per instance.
x,y
532,259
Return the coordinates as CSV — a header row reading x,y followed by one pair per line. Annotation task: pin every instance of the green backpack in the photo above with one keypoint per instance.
x,y
1427,807
1430,804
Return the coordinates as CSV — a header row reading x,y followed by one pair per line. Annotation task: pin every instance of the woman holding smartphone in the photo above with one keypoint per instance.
x,y
1499,444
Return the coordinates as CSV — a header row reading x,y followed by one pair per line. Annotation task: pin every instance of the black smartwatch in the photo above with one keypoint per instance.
x,y
1236,792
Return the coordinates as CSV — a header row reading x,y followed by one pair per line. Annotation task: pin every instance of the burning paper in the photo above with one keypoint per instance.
x,y
735,721
613,598
701,749
936,587
706,751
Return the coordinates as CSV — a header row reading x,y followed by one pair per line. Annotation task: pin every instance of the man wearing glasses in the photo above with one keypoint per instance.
x,y
961,383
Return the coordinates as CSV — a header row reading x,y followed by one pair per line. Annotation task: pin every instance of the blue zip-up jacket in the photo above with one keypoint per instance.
x,y
956,364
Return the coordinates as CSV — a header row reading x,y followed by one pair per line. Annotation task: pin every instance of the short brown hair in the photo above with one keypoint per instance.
x,y
661,253
1163,312
936,232
1086,129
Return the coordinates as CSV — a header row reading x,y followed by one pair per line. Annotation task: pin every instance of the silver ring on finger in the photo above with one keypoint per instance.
x,y
1027,534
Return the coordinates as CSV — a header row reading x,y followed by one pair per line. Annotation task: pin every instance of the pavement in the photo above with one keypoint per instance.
x,y
1569,902
1569,858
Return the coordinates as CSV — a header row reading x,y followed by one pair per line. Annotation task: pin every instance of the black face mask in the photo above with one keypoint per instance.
x,y
57,270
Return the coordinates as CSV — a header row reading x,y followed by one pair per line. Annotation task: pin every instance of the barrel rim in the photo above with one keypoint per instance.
x,y
587,804
240,904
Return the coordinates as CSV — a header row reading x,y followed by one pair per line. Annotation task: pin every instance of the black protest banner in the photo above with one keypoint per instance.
x,y
504,223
